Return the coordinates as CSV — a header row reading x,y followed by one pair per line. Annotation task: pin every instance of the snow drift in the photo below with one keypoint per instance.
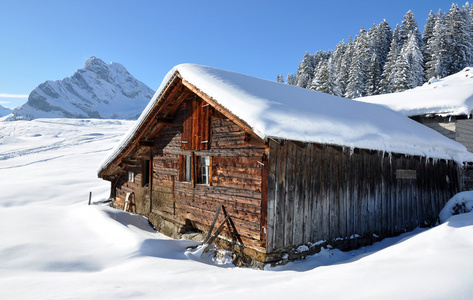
x,y
449,96
459,204
54,246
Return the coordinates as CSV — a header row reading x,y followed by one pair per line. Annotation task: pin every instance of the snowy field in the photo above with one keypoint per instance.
x,y
54,246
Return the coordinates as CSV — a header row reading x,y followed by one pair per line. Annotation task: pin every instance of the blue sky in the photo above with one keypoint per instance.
x,y
49,40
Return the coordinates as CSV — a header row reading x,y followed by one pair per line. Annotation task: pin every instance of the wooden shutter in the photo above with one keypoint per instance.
x,y
186,137
195,125
205,126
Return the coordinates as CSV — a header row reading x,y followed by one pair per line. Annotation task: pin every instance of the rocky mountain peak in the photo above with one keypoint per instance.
x,y
99,90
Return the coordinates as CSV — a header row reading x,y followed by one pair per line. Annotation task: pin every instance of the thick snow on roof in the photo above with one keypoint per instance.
x,y
276,110
449,96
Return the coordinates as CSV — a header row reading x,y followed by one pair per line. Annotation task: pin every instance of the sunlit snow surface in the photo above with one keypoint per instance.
x,y
276,110
449,96
54,246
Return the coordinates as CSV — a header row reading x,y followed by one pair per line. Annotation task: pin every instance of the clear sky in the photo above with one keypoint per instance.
x,y
49,40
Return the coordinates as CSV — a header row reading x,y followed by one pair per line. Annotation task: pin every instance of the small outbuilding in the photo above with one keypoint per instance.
x,y
283,170
445,105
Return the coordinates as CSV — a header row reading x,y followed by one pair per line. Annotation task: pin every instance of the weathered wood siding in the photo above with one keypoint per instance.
x,y
318,192
139,199
235,179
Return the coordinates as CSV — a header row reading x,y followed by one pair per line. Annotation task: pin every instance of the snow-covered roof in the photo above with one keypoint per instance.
x,y
277,110
449,96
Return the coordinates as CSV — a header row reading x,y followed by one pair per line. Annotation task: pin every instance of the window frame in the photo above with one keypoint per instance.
x,y
131,176
186,168
193,172
203,170
146,173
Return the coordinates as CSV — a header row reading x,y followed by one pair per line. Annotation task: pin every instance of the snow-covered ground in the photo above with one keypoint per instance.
x,y
54,246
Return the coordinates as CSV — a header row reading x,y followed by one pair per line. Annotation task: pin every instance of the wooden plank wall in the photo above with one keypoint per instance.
x,y
236,179
319,192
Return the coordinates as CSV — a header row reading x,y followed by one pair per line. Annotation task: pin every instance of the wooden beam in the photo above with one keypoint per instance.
x,y
147,143
170,90
164,120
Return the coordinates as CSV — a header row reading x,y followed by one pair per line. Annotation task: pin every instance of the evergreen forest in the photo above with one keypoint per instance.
x,y
385,60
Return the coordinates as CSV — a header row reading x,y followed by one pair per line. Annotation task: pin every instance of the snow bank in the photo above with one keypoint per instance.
x,y
449,96
458,204
275,110
54,246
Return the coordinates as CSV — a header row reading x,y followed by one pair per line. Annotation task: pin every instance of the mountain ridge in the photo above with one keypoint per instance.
x,y
98,90
4,111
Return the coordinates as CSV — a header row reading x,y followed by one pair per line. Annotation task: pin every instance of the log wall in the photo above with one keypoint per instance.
x,y
327,193
236,181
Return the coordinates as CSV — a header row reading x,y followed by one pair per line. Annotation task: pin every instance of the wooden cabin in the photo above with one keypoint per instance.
x,y
282,166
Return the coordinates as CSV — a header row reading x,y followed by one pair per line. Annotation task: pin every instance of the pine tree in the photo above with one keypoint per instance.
x,y
400,78
382,41
280,78
438,65
356,86
338,55
386,83
305,72
409,24
383,61
468,22
428,34
458,39
344,68
373,76
380,37
325,78
409,68
291,79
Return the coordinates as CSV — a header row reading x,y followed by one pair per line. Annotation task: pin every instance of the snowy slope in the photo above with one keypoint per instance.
x,y
4,111
98,90
276,110
449,96
54,246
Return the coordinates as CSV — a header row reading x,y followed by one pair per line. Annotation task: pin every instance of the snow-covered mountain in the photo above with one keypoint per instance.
x,y
99,90
4,111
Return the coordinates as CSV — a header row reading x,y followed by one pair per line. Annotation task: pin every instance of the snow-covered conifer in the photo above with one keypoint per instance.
x,y
291,79
325,78
458,39
428,34
344,67
305,72
359,66
437,44
386,83
373,77
280,78
409,24
409,65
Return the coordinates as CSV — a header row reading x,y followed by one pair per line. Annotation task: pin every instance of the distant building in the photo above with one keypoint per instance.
x,y
444,105
289,169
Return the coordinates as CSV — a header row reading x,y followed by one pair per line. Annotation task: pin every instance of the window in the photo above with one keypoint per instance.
x,y
203,169
187,168
131,176
146,173
195,169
